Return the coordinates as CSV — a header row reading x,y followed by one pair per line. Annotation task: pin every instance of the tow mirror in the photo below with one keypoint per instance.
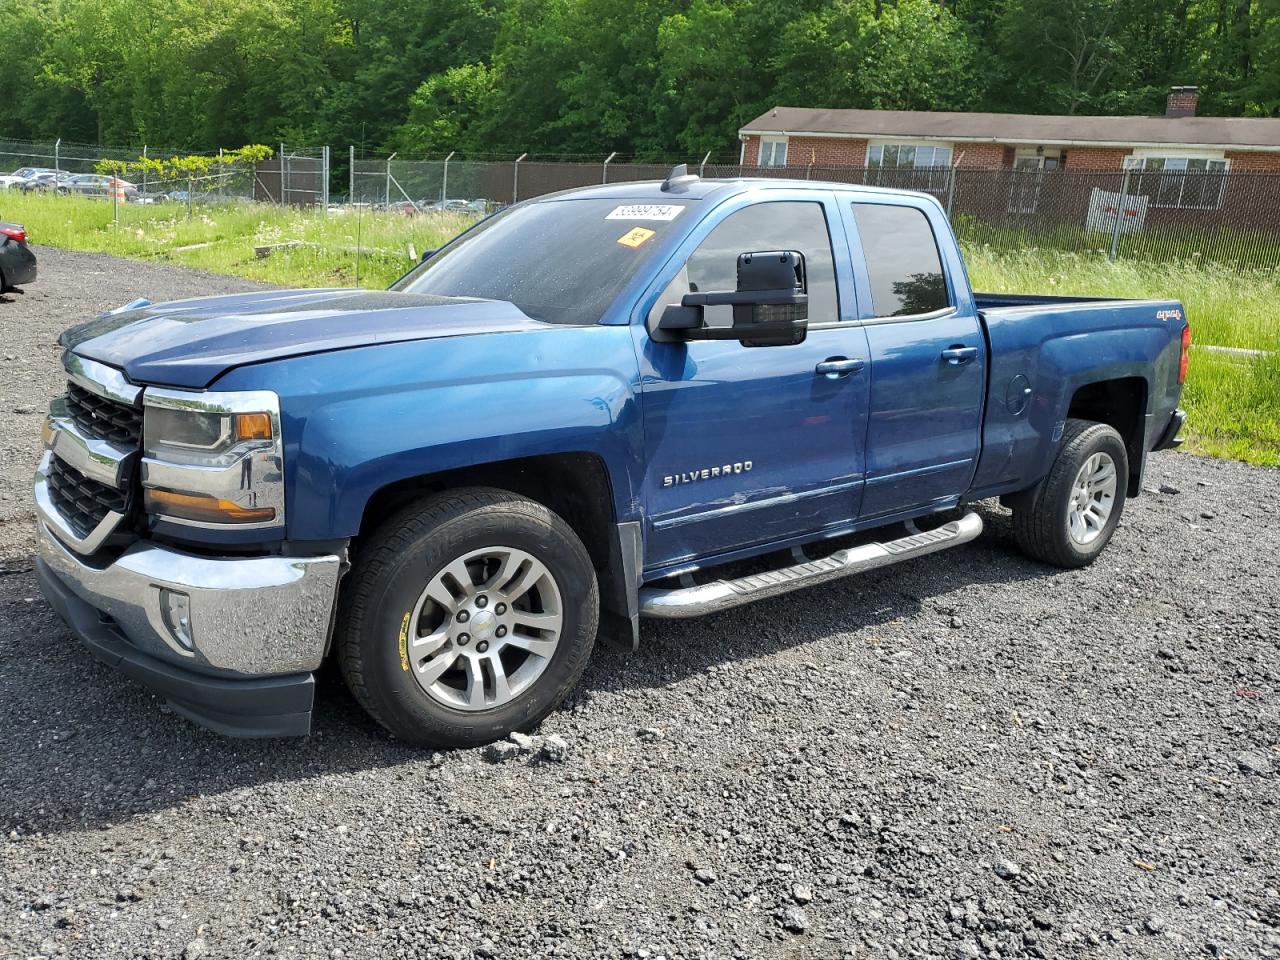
x,y
770,304
427,255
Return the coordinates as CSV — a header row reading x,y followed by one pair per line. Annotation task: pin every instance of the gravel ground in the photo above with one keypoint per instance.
x,y
970,755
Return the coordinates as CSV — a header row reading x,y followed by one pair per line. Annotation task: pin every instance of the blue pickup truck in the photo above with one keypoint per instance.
x,y
634,400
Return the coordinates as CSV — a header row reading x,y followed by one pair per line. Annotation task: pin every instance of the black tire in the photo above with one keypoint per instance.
x,y
1040,520
392,569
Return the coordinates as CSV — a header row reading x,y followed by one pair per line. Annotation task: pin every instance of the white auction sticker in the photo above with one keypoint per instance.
x,y
646,211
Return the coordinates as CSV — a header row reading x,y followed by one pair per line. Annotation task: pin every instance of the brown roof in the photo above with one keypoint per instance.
x,y
1242,132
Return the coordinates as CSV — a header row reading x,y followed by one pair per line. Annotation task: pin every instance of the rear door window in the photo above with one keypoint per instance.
x,y
903,263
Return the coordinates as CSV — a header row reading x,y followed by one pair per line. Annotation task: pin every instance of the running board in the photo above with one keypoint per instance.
x,y
697,600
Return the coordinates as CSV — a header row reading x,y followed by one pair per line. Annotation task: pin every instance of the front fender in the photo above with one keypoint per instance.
x,y
355,421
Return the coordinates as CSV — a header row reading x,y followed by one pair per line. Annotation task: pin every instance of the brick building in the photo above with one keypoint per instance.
x,y
885,140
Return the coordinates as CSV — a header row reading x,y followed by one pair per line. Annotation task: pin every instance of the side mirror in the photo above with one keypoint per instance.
x,y
770,304
427,255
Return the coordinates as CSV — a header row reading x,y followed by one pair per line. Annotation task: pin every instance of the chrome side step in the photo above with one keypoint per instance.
x,y
694,601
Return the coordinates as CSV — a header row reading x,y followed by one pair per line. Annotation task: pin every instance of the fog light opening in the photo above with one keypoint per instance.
x,y
175,610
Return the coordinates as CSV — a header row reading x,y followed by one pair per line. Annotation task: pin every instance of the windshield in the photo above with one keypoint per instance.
x,y
559,261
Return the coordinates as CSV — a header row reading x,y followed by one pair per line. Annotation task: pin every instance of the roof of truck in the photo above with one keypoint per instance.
x,y
701,189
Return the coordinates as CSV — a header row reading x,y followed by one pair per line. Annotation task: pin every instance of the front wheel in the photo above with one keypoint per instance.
x,y
1072,516
468,615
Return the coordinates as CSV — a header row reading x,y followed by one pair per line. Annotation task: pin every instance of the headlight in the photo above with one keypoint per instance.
x,y
213,459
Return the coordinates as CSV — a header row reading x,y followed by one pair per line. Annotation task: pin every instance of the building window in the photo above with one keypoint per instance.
x,y
1187,183
912,165
773,152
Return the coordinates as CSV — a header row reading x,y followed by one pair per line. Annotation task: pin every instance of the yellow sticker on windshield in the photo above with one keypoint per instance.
x,y
636,237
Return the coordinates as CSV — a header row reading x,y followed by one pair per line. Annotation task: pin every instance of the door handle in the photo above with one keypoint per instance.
x,y
959,355
839,367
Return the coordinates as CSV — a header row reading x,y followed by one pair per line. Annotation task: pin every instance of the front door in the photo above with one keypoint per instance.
x,y
1028,178
753,445
928,366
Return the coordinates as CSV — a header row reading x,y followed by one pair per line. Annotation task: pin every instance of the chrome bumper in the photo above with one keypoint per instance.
x,y
239,617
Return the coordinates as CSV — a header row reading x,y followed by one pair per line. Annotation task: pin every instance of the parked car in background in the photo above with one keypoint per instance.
x,y
19,176
45,181
17,261
98,185
459,206
406,207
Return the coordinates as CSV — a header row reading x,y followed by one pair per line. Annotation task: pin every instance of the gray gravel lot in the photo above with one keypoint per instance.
x,y
970,755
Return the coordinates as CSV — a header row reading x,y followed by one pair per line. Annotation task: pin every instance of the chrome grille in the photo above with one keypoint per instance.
x,y
83,502
99,417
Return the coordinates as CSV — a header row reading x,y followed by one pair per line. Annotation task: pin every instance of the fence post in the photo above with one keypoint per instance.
x,y
1115,227
951,192
324,182
515,178
444,181
115,198
387,198
222,173
703,165
282,174
57,164
351,174
190,185
604,171
144,169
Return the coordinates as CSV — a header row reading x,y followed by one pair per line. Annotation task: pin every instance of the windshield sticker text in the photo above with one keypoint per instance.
x,y
646,211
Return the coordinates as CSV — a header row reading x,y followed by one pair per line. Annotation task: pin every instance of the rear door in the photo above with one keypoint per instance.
x,y
928,357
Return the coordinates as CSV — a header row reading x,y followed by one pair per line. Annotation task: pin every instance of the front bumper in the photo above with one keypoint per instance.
x,y
230,642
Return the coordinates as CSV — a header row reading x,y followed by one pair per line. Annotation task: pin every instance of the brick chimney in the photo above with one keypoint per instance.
x,y
1182,102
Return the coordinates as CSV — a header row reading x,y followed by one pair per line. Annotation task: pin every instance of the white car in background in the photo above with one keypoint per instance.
x,y
20,175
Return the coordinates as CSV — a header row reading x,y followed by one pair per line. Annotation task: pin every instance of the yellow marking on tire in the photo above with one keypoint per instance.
x,y
404,642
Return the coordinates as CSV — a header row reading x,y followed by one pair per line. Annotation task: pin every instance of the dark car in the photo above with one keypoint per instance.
x,y
17,262
44,182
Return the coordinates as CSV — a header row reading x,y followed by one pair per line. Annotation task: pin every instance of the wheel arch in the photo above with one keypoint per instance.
x,y
1122,404
578,487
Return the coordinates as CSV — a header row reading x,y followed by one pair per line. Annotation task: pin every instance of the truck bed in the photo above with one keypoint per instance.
x,y
992,301
1044,350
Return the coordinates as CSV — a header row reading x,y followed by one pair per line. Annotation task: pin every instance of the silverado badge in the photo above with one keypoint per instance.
x,y
707,473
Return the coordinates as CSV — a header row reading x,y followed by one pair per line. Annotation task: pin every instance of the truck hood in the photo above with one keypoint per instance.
x,y
190,343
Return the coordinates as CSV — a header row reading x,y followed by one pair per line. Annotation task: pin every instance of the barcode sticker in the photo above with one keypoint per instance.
x,y
646,211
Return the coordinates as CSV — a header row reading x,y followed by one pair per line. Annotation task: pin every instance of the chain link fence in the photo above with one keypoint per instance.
x,y
1231,217
294,176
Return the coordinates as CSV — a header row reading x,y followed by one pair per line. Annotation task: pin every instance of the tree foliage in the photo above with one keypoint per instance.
x,y
649,78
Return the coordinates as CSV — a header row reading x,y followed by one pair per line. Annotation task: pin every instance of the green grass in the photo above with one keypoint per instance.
x,y
224,237
1233,402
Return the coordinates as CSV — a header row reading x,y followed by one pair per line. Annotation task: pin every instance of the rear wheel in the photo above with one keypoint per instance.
x,y
1071,517
467,616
